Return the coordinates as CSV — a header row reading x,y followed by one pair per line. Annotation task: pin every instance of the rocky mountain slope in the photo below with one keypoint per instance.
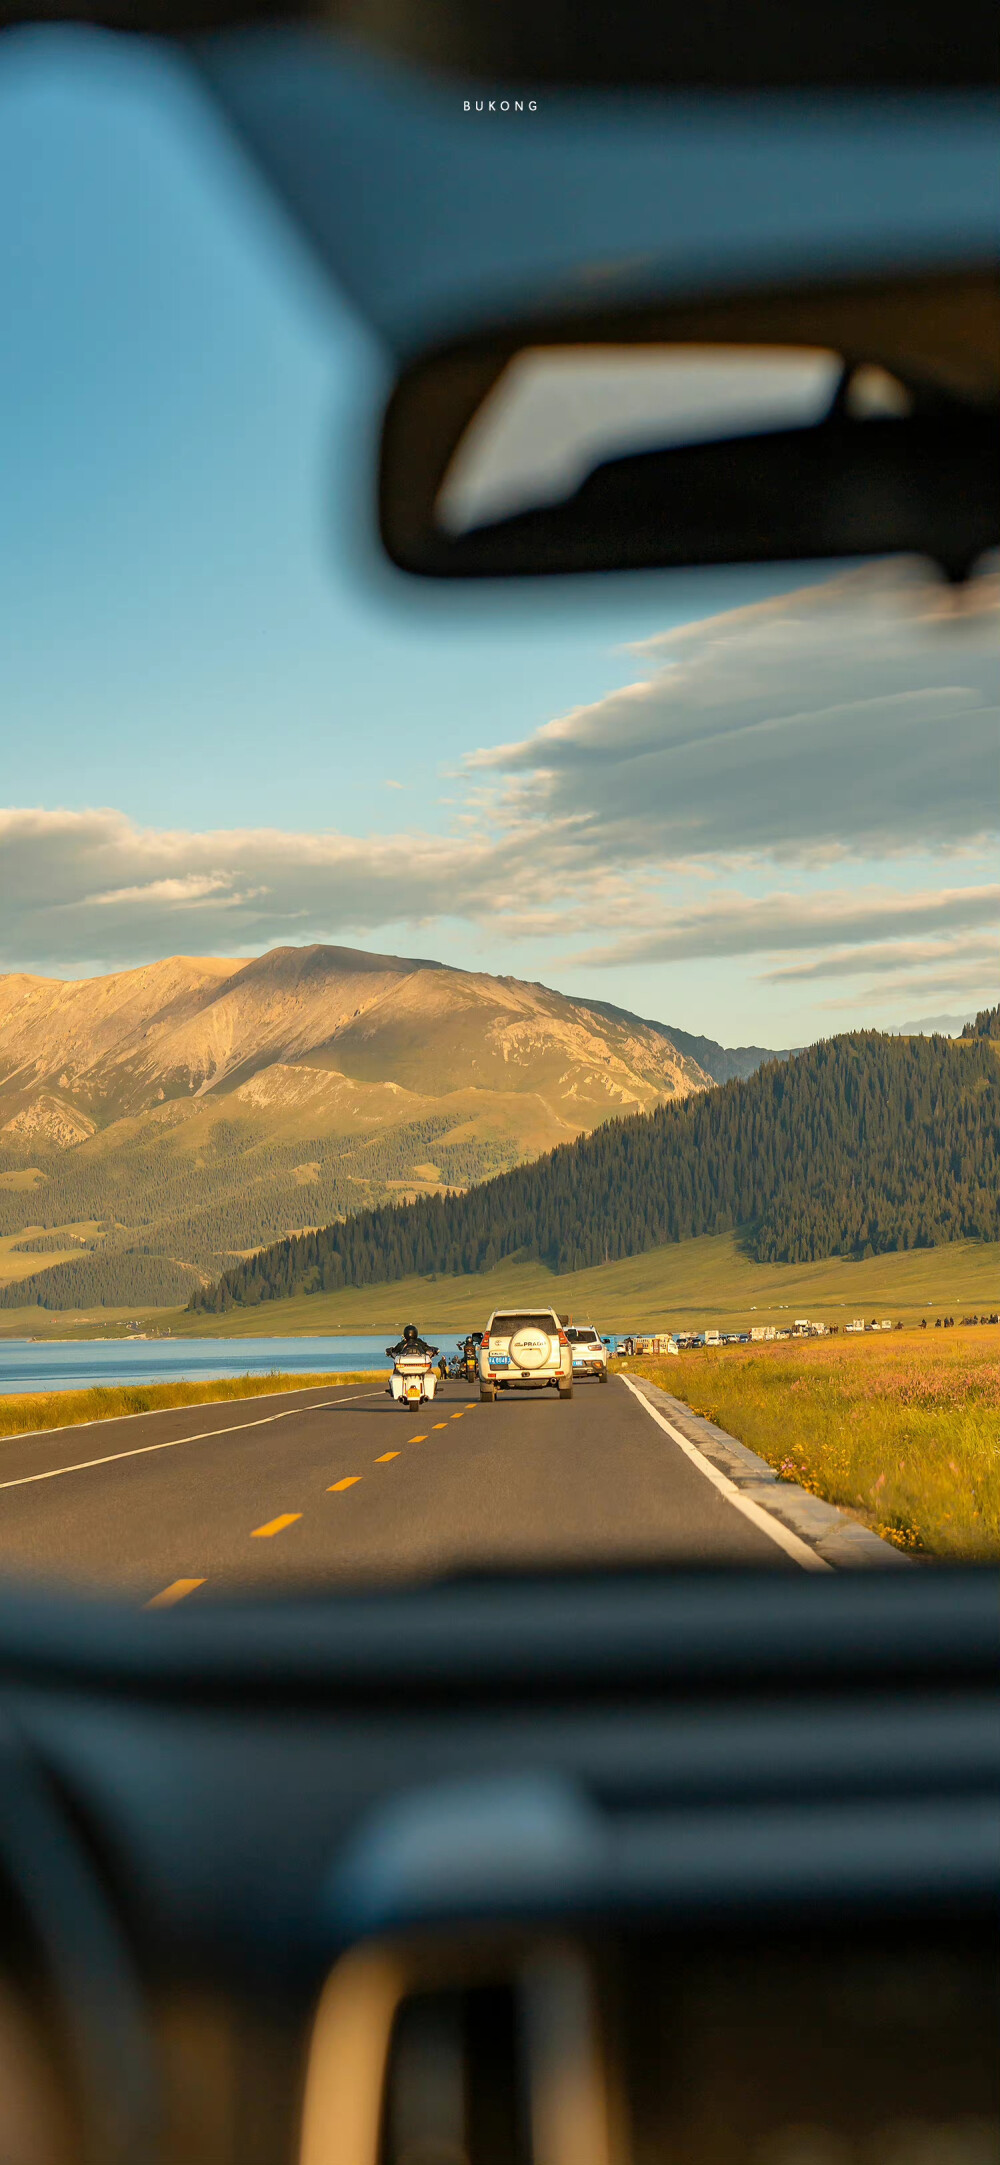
x,y
721,1063
179,1115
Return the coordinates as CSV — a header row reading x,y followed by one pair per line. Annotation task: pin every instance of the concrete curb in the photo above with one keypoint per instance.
x,y
836,1538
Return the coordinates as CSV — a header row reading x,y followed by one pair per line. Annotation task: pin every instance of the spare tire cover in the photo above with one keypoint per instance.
x,y
531,1347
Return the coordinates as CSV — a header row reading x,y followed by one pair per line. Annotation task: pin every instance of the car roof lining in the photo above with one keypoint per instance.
x,y
584,43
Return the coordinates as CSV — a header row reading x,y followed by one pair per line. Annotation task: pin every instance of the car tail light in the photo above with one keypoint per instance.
x,y
563,1340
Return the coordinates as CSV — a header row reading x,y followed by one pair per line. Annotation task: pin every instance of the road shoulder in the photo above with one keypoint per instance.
x,y
837,1540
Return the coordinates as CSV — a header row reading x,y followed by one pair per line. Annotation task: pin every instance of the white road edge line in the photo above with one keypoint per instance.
x,y
141,1451
782,1535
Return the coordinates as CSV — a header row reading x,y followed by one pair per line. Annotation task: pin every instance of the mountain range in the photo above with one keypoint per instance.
x,y
865,1144
159,1123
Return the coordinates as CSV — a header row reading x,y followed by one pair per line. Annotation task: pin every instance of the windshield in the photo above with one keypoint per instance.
x,y
379,951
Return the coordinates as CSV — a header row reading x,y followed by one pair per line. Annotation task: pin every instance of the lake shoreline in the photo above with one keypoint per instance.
x,y
59,1365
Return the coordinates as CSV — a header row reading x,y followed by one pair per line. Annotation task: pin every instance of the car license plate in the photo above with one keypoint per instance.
x,y
499,1360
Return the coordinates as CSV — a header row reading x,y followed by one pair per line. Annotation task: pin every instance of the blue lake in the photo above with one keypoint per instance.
x,y
73,1364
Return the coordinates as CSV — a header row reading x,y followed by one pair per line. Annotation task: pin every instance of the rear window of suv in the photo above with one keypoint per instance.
x,y
504,1326
583,1338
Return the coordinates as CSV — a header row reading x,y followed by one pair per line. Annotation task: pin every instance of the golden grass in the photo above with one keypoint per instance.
x,y
15,1264
904,1430
24,1412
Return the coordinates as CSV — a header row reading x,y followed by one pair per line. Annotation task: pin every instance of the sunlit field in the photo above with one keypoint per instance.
x,y
686,1285
903,1430
25,1413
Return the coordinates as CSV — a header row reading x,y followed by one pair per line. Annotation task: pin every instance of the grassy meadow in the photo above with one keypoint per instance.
x,y
904,1431
689,1284
24,1413
67,1245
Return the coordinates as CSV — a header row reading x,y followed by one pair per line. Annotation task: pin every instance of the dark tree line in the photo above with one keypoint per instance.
x,y
104,1281
987,1024
859,1145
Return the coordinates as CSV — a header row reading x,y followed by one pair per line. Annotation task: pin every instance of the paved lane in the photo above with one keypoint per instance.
x,y
336,1485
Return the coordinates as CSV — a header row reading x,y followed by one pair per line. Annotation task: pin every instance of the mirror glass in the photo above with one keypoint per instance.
x,y
558,411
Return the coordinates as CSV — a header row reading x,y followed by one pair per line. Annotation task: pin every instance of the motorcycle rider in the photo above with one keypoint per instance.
x,y
411,1342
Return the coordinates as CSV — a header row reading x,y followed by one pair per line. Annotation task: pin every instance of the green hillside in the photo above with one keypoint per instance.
x,y
709,1281
141,1280
203,1184
693,1283
861,1146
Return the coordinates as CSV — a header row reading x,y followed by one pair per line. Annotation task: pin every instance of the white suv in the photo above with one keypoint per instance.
x,y
588,1351
524,1349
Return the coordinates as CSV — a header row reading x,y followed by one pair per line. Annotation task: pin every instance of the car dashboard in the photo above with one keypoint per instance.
x,y
698,1867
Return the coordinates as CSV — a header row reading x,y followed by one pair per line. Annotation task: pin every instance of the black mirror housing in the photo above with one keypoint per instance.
x,y
918,482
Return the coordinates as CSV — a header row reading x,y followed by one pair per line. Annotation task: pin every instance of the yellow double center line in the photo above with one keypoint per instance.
x,y
179,1589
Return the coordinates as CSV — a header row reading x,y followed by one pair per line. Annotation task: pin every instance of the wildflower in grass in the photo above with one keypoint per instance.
x,y
905,1434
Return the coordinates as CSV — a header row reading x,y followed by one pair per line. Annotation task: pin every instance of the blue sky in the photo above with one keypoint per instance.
x,y
190,640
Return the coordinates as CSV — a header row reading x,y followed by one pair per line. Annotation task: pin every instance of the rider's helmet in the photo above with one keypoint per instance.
x,y
410,1332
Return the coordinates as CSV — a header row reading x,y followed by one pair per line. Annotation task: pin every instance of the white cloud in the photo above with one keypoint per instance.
x,y
855,717
735,925
186,892
966,959
93,884
974,984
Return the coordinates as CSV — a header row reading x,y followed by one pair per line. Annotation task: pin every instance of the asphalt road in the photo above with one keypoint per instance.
x,y
340,1485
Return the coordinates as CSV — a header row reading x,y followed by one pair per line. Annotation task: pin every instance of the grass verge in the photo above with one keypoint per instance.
x,y
904,1432
26,1411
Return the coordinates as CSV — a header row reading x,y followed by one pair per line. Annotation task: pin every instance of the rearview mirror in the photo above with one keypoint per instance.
x,y
855,420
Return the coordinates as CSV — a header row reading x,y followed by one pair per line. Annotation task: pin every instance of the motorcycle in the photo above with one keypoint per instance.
x,y
413,1381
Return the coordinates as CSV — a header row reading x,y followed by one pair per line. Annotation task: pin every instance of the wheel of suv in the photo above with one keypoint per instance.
x,y
487,1393
603,1373
565,1389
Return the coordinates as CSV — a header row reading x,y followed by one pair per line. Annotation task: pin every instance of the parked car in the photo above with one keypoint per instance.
x,y
588,1351
525,1349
